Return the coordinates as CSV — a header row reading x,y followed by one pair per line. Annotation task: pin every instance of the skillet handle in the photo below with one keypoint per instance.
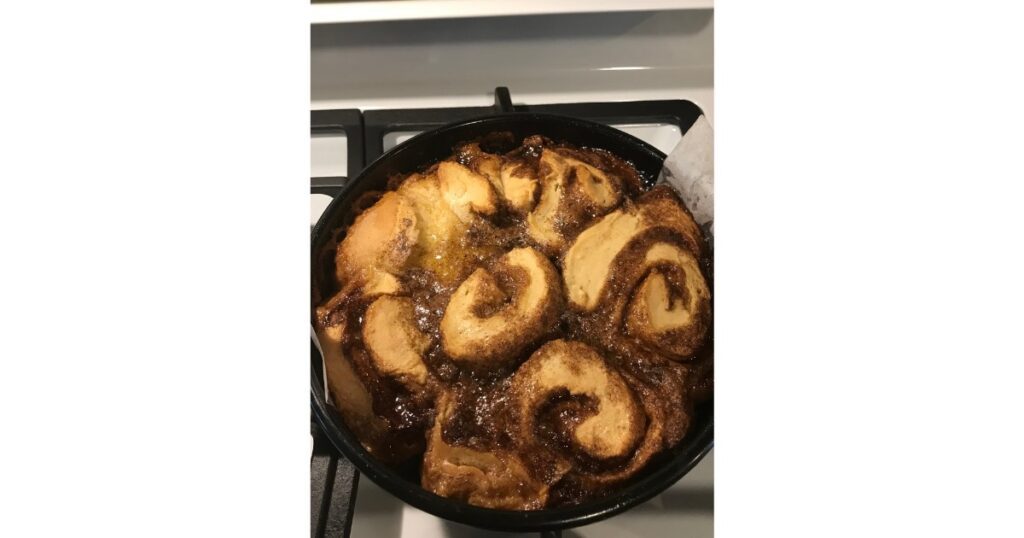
x,y
331,186
503,100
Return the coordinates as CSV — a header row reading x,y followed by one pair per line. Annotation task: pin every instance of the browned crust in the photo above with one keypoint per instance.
x,y
609,163
663,206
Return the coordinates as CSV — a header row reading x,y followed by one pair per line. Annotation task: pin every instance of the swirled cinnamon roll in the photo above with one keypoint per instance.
x,y
495,314
638,271
615,423
571,193
584,423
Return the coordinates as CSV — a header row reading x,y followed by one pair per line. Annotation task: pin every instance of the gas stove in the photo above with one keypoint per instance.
x,y
345,140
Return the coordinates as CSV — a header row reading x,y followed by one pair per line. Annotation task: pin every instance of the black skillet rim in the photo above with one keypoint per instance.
x,y
628,496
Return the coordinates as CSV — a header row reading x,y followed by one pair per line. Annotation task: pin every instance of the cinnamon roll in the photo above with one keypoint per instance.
x,y
637,270
518,186
571,193
496,478
483,163
394,342
494,315
615,425
446,213
466,191
368,406
584,422
377,245
351,396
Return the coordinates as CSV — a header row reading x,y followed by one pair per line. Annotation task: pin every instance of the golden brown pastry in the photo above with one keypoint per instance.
x,y
440,241
518,186
637,271
353,394
486,164
617,422
485,324
492,479
466,191
586,422
571,193
394,342
377,245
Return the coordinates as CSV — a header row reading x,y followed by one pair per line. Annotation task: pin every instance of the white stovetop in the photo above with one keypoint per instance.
x,y
685,509
580,57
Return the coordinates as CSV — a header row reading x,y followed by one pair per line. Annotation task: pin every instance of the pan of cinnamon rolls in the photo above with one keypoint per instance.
x,y
514,323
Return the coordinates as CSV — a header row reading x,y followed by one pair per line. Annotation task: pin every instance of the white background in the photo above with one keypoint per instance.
x,y
155,282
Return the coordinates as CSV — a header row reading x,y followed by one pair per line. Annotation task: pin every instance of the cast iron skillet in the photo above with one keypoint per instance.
x,y
415,154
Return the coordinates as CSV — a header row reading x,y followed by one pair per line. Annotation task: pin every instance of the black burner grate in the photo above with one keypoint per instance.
x,y
377,123
350,123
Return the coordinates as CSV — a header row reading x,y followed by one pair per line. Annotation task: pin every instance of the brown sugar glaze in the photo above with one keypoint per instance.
x,y
484,416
